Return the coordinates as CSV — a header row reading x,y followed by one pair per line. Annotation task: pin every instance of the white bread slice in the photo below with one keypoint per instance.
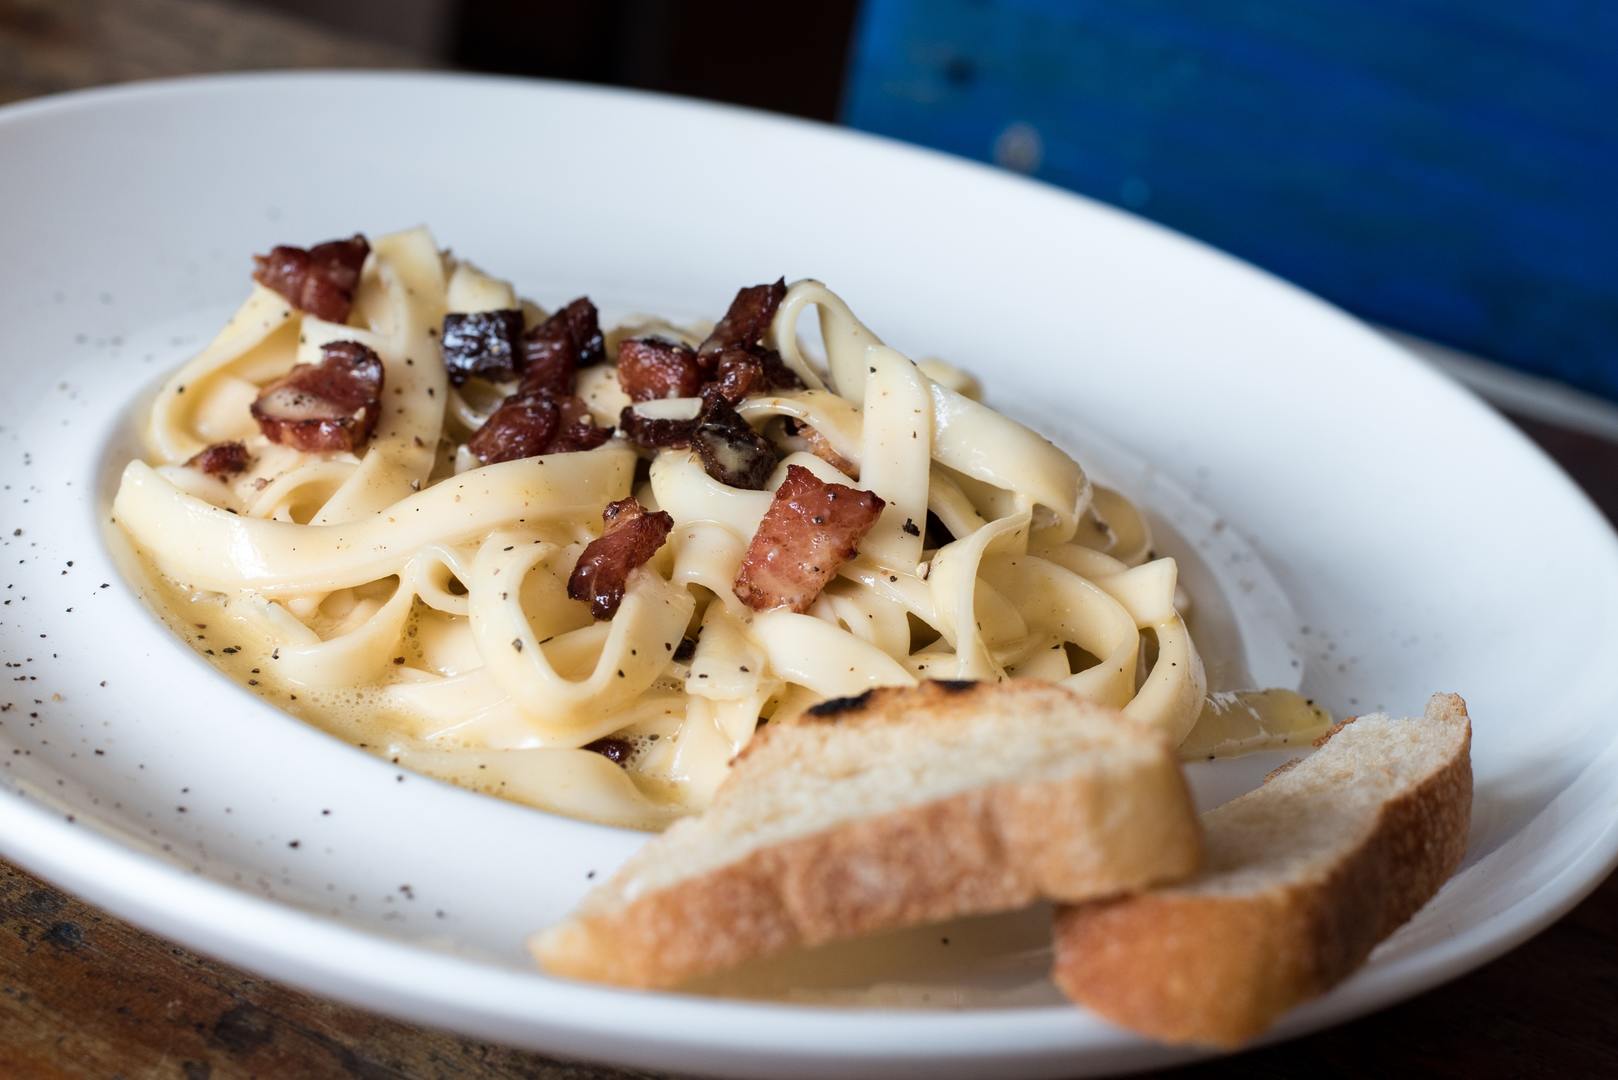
x,y
890,809
1302,878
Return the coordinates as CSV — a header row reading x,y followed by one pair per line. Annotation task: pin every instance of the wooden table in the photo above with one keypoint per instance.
x,y
85,995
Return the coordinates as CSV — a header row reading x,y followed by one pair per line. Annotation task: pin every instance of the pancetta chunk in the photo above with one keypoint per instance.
x,y
652,368
320,280
531,424
810,530
752,369
731,451
749,316
326,406
554,350
656,433
487,344
221,459
632,537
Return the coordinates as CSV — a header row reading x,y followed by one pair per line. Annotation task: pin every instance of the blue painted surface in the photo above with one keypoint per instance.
x,y
1450,169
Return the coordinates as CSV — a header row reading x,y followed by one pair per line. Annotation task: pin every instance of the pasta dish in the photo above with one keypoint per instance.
x,y
578,567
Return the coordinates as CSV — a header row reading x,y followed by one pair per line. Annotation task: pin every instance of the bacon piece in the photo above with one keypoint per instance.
x,y
577,429
551,366
522,426
578,438
731,451
747,319
777,376
810,530
220,459
651,368
737,374
332,405
632,536
554,350
528,425
743,370
652,433
487,344
584,328
320,280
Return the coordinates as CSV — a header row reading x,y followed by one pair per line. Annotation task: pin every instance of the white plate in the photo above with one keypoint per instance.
x,y
1424,543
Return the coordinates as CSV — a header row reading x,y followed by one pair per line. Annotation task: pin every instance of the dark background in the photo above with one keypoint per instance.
x,y
1443,167
789,58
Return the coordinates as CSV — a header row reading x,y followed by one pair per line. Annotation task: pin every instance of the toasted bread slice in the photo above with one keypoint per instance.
x,y
897,807
1302,878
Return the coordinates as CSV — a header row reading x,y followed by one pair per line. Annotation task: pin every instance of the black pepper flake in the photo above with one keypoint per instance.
x,y
293,844
516,643
911,527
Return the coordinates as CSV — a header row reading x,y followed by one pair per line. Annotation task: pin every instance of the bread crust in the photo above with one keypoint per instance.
x,y
998,847
1181,965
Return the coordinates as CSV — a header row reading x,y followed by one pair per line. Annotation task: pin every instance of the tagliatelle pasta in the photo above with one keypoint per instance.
x,y
417,600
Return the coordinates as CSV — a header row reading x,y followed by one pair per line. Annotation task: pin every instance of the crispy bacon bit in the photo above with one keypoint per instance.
x,y
738,374
777,376
584,327
741,371
487,344
554,350
656,433
522,426
527,425
749,316
631,538
332,405
320,280
731,451
550,366
221,459
574,438
651,368
810,530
